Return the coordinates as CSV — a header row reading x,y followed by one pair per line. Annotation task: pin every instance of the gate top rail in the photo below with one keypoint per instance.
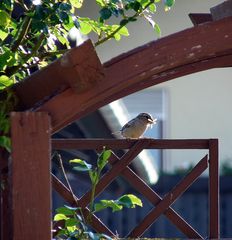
x,y
98,143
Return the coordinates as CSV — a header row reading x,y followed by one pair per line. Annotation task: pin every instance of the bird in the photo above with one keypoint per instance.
x,y
136,127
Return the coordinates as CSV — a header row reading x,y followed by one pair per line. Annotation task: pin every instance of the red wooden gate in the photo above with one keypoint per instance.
x,y
161,206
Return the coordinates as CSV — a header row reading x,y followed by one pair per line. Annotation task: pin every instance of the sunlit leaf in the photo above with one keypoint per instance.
x,y
3,34
130,201
5,18
107,204
5,82
60,216
144,2
76,3
152,8
157,29
85,27
124,31
117,36
80,165
103,159
101,3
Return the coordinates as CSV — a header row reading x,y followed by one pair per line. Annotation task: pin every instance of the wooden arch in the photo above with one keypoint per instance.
x,y
81,85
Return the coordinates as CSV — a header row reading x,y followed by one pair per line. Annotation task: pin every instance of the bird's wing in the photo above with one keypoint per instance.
x,y
129,124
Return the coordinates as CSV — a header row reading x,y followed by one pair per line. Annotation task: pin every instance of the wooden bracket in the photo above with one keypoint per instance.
x,y
78,69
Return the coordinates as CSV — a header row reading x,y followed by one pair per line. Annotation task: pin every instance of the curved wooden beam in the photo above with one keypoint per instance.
x,y
196,49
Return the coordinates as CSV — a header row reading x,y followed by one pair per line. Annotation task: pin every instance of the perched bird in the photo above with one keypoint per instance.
x,y
137,126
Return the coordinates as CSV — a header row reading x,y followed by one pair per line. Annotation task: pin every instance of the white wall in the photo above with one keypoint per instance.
x,y
199,105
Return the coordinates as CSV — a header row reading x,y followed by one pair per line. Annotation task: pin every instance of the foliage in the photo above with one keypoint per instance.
x,y
32,31
75,225
30,39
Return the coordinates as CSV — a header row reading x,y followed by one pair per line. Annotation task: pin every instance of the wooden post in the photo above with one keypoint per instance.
x,y
214,221
30,176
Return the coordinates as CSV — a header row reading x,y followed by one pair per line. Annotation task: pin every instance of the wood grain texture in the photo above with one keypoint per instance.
x,y
30,176
196,49
99,143
78,69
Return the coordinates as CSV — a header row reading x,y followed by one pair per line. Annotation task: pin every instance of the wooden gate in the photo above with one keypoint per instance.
x,y
120,166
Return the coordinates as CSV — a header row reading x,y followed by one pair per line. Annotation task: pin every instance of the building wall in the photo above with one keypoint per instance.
x,y
198,105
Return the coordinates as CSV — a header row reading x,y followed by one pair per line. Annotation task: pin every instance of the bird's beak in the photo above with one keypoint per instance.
x,y
152,121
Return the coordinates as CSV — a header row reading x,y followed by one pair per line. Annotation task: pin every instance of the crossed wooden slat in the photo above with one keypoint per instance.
x,y
120,167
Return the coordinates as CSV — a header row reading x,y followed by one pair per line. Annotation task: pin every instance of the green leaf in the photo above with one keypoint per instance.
x,y
129,201
85,27
60,216
117,36
103,159
71,222
152,8
68,26
144,2
157,29
76,3
65,211
5,82
5,143
105,13
124,31
107,204
3,34
101,3
5,18
80,165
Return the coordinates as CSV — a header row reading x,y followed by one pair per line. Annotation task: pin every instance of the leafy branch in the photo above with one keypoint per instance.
x,y
75,226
